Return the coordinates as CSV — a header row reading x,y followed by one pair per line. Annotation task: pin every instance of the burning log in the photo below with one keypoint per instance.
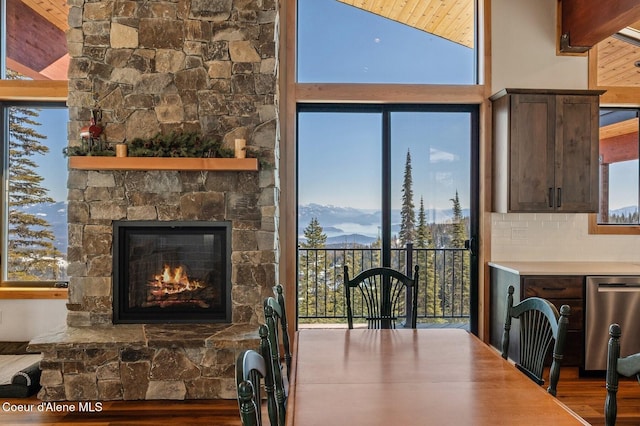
x,y
199,303
173,281
173,287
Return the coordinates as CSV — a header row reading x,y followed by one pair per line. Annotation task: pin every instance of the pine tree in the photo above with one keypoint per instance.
x,y
314,235
423,233
457,289
312,292
407,213
459,231
31,252
427,288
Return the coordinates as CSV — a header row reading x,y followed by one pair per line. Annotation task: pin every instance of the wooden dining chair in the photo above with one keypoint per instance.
x,y
382,294
284,328
626,366
270,347
540,324
251,369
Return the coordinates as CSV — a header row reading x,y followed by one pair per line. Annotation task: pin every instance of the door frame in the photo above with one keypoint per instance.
x,y
474,152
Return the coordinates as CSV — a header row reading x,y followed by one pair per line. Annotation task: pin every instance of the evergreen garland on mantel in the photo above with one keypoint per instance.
x,y
185,145
191,145
174,144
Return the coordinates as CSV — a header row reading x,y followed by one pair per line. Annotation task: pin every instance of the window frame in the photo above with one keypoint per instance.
x,y
5,105
23,91
386,110
294,93
596,228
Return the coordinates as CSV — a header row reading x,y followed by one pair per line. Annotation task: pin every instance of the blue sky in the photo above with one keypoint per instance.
x,y
341,43
623,184
53,166
340,158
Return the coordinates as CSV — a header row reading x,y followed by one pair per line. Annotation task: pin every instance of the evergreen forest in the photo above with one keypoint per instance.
x,y
438,249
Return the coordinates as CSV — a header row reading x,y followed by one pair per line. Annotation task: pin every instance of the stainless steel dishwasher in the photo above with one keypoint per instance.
x,y
610,299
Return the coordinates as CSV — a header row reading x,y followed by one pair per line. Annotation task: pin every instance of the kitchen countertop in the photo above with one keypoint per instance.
x,y
568,268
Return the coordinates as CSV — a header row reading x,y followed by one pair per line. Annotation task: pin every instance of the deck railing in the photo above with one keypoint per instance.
x,y
443,288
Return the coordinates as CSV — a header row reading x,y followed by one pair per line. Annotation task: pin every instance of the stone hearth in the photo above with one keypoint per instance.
x,y
208,66
133,362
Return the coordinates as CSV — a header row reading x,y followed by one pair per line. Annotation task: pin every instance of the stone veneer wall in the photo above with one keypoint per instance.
x,y
159,66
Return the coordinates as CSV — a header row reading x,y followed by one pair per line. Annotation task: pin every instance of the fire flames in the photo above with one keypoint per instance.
x,y
173,281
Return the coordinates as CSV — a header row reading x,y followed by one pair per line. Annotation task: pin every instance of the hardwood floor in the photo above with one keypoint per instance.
x,y
157,413
586,395
583,395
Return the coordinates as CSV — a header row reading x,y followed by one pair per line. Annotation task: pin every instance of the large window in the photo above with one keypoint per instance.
x,y
380,87
387,185
619,171
410,42
615,63
33,117
34,187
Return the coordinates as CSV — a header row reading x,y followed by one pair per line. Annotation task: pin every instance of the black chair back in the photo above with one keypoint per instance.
x,y
540,324
384,295
616,366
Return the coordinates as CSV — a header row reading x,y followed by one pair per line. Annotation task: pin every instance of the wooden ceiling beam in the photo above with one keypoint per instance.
x,y
584,23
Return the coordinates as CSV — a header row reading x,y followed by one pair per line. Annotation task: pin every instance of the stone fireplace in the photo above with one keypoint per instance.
x,y
208,66
171,272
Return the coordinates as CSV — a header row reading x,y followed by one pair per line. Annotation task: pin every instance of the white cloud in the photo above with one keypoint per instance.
x,y
437,156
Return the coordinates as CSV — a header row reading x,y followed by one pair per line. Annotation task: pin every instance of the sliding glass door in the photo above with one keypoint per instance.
x,y
388,185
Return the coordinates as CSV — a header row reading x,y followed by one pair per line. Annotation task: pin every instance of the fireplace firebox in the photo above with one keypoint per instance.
x,y
171,272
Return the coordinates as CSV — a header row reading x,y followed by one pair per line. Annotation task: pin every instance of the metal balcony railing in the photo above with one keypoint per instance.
x,y
443,288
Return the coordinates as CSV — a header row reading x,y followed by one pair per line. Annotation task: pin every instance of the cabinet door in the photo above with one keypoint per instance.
x,y
576,171
532,152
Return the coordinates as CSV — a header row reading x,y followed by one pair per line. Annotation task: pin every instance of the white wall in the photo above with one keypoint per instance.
x,y
524,48
22,320
556,236
524,56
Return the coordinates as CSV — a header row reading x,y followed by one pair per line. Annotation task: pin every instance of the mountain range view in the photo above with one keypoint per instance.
x,y
351,225
340,224
56,215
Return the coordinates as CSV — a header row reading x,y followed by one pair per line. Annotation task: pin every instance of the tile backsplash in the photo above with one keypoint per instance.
x,y
556,237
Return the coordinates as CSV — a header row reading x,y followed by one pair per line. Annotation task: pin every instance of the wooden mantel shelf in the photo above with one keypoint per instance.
x,y
163,163
33,293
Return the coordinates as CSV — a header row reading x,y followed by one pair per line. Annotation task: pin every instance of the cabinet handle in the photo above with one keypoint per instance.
x,y
554,288
550,197
559,203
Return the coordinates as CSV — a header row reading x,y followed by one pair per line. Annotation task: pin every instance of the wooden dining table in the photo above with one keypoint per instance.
x,y
405,377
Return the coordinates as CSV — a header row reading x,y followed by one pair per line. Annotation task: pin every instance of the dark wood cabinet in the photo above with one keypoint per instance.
x,y
559,290
562,290
545,150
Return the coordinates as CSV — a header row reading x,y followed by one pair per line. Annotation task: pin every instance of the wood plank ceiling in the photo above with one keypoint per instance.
x,y
36,38
617,60
54,11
